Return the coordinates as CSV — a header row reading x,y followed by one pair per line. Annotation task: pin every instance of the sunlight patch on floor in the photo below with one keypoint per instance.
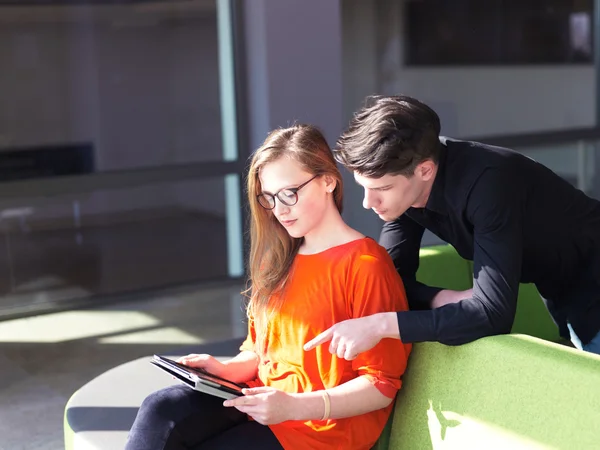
x,y
167,335
72,325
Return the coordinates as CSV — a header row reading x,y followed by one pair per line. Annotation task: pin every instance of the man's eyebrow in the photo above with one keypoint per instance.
x,y
377,188
380,188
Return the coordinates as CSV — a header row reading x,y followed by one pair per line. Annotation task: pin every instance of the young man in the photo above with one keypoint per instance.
x,y
514,218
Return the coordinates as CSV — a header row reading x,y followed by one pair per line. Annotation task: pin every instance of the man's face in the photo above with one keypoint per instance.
x,y
391,195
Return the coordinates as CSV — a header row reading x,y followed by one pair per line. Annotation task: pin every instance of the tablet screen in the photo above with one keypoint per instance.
x,y
202,374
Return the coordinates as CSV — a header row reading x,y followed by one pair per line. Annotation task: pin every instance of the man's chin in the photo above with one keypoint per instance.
x,y
387,217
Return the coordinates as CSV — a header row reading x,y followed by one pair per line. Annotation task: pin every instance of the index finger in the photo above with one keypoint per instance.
x,y
325,336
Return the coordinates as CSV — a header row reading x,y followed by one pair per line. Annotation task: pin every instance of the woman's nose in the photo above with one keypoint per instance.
x,y
280,209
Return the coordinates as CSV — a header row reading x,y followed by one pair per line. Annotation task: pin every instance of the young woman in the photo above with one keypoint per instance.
x,y
308,271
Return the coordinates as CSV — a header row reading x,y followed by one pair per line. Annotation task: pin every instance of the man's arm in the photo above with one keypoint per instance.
x,y
402,240
496,211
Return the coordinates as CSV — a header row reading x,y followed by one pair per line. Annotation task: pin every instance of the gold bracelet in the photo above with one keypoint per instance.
x,y
327,402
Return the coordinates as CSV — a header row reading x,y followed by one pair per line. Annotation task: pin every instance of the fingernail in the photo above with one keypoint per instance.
x,y
226,403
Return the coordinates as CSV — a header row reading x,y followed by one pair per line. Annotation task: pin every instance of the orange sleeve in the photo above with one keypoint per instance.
x,y
376,287
248,344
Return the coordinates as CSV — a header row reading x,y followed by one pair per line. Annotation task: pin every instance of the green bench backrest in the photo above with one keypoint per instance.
x,y
501,392
441,266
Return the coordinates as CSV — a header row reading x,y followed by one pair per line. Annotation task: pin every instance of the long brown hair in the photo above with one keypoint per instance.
x,y
272,249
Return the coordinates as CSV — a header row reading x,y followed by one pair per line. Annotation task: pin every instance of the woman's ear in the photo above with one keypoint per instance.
x,y
330,183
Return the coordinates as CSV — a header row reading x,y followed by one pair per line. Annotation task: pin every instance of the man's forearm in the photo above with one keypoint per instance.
x,y
419,295
453,324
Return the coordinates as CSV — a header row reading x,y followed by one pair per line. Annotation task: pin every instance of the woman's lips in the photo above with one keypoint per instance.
x,y
288,223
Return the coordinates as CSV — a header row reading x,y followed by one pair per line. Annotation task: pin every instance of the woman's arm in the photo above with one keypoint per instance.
x,y
242,368
355,397
270,406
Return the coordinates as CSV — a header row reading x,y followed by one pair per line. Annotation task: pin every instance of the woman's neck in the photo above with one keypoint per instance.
x,y
332,231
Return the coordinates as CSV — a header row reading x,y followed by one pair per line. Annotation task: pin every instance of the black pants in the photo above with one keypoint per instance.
x,y
177,418
578,304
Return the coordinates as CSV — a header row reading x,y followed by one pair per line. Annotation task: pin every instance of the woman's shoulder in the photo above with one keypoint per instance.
x,y
370,261
368,252
359,252
362,254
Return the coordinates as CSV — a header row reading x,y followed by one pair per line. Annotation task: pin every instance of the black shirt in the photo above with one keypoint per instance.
x,y
518,222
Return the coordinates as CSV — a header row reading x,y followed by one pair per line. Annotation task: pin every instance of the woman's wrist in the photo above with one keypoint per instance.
x,y
388,325
216,368
309,406
239,370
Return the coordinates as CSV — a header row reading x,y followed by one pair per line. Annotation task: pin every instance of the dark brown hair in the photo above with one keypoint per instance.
x,y
389,135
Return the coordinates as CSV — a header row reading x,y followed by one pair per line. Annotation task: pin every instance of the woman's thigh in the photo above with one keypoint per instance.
x,y
178,417
247,436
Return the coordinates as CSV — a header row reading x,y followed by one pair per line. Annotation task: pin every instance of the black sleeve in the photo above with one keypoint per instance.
x,y
402,240
495,208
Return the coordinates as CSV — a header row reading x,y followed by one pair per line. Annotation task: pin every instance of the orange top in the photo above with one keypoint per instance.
x,y
352,280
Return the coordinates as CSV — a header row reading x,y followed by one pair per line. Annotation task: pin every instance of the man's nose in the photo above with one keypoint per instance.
x,y
369,200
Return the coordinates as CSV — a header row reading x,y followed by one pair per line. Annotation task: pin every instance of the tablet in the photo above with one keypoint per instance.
x,y
199,379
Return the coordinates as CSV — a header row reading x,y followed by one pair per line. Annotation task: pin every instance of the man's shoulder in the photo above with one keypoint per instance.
x,y
468,163
481,156
471,166
476,150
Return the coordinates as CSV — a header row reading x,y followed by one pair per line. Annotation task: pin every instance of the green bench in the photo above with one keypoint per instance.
x,y
442,266
502,392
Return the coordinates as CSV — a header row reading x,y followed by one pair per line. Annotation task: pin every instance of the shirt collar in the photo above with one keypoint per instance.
x,y
436,201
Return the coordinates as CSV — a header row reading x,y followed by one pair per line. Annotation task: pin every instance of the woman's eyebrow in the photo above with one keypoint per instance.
x,y
291,186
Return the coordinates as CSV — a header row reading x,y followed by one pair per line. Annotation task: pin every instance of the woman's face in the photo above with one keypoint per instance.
x,y
313,198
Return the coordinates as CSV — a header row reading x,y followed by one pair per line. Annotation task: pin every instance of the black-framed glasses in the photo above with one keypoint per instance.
x,y
287,196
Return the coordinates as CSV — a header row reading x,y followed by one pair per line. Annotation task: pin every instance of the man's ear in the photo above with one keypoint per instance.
x,y
426,170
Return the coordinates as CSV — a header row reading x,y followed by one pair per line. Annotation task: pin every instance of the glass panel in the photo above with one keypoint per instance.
x,y
593,161
512,67
498,32
576,162
121,84
113,241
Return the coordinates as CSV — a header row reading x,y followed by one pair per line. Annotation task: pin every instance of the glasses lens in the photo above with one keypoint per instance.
x,y
266,201
288,197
